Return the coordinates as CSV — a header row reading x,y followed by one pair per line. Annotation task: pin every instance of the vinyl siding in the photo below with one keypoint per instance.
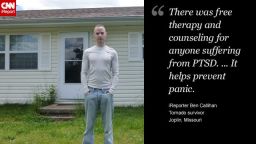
x,y
19,86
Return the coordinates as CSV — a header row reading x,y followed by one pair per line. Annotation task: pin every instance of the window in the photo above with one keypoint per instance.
x,y
73,59
2,43
2,52
23,61
2,61
25,52
136,46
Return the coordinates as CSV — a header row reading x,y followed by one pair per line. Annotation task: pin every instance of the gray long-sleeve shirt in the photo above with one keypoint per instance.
x,y
100,68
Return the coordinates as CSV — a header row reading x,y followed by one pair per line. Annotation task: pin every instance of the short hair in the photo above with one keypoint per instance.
x,y
99,25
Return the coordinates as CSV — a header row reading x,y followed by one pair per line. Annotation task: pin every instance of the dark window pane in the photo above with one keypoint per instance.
x,y
72,71
23,43
2,62
2,43
73,48
23,61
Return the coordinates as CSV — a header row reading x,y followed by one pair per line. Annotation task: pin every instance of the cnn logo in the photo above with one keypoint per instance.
x,y
8,8
6,5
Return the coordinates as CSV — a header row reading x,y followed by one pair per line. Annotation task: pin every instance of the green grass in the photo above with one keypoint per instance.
x,y
19,124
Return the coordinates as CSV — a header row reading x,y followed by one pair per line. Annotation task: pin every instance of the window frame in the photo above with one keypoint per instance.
x,y
140,47
24,51
8,51
4,52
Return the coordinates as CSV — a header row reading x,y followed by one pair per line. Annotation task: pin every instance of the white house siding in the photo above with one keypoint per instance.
x,y
19,86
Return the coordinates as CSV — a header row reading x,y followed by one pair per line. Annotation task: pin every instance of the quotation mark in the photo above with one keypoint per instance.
x,y
159,12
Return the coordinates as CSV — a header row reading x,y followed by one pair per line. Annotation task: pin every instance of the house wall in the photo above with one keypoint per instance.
x,y
20,86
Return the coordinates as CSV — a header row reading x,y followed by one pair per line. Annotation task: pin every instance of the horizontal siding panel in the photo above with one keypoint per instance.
x,y
11,88
26,73
128,91
122,55
21,91
130,87
126,28
15,100
124,60
11,95
131,72
130,82
128,99
121,49
123,103
131,76
41,80
29,77
127,76
131,69
131,64
115,39
25,84
120,95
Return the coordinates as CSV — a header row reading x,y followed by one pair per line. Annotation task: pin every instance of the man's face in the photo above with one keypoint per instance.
x,y
100,35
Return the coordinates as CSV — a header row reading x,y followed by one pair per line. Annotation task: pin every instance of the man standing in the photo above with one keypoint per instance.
x,y
99,77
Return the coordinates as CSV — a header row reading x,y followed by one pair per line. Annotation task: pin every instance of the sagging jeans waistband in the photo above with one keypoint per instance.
x,y
103,89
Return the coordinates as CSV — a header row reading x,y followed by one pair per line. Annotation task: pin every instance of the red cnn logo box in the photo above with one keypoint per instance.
x,y
7,7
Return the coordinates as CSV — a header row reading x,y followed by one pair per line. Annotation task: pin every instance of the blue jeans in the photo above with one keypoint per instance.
x,y
98,98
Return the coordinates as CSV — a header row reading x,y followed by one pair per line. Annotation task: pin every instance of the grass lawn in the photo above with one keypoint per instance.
x,y
19,124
